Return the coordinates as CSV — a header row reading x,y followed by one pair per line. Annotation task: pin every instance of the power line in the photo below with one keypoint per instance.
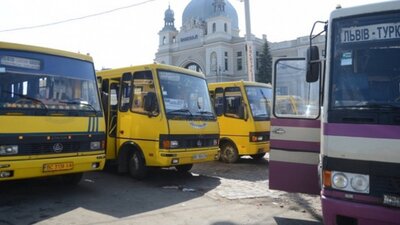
x,y
77,18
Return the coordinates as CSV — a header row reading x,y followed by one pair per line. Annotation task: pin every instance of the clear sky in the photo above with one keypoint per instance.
x,y
130,36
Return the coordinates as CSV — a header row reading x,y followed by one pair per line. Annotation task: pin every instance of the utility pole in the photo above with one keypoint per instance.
x,y
249,42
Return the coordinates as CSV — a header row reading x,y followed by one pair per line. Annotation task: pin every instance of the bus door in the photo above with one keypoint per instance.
x,y
111,112
295,134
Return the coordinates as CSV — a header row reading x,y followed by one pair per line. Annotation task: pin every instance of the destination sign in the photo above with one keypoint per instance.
x,y
20,62
385,31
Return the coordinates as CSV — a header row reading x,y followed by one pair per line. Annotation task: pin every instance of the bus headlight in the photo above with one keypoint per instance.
x,y
256,138
351,182
215,142
95,145
167,144
360,183
8,149
339,180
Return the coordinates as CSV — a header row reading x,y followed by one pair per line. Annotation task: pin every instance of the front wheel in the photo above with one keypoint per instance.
x,y
184,168
258,156
137,165
229,153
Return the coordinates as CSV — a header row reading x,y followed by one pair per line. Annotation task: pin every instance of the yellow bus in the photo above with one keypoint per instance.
x,y
243,110
50,114
157,116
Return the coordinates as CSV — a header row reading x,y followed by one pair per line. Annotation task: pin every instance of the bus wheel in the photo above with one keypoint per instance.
x,y
71,179
184,168
229,153
258,156
137,165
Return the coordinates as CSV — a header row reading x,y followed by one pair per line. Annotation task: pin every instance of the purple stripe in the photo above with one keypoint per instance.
x,y
356,197
362,130
306,146
366,214
296,123
293,177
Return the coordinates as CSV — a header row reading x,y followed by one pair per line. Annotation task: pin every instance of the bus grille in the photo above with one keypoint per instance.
x,y
191,141
385,185
49,148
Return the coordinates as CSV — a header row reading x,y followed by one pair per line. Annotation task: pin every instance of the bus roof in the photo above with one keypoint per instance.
x,y
50,51
239,82
366,9
119,71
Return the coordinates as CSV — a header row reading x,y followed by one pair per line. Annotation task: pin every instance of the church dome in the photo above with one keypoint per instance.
x,y
204,9
169,13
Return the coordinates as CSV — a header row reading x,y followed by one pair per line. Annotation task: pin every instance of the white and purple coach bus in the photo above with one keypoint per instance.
x,y
343,142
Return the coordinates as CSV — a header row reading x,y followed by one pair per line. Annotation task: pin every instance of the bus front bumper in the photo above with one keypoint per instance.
x,y
171,158
340,212
254,148
31,168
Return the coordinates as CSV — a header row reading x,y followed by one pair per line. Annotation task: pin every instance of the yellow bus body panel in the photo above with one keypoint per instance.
x,y
50,124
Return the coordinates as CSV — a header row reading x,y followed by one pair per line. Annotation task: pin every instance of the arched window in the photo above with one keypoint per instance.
x,y
164,40
194,66
225,27
214,27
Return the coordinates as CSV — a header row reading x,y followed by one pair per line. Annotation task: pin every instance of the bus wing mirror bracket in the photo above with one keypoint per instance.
x,y
313,64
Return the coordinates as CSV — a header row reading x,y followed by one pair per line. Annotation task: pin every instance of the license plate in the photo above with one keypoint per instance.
x,y
58,166
199,156
391,200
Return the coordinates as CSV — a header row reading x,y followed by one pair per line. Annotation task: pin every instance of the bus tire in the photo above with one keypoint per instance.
x,y
137,165
258,156
71,179
184,168
229,153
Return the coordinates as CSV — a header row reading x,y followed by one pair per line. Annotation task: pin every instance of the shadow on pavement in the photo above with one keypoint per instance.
x,y
287,221
104,194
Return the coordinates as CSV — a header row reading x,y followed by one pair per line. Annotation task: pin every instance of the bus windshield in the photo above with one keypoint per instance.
x,y
259,100
366,66
40,92
185,96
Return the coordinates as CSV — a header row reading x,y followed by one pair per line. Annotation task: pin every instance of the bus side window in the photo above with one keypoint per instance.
x,y
219,101
233,102
126,92
144,95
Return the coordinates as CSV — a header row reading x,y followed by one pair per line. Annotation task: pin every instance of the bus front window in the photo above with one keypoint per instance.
x,y
185,96
259,100
42,94
366,70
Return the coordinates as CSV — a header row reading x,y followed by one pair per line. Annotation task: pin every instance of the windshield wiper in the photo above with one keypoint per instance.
x,y
206,113
187,111
76,102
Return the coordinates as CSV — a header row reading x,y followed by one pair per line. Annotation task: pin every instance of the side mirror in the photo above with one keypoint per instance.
x,y
313,64
243,112
150,102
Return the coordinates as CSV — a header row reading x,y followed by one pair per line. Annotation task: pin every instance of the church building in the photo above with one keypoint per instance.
x,y
208,41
